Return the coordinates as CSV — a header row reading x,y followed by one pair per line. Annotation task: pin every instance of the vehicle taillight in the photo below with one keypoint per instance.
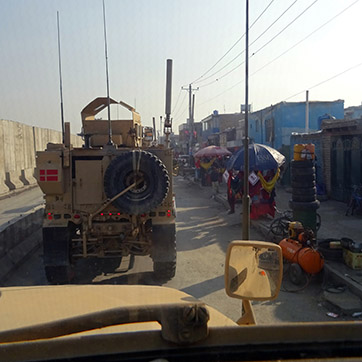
x,y
76,216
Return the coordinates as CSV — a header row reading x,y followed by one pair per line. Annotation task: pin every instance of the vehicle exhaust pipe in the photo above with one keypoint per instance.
x,y
168,123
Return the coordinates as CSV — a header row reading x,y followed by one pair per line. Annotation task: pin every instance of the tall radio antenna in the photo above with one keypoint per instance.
x,y
107,77
60,80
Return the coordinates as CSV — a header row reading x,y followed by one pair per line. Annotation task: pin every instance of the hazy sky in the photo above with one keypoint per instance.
x,y
196,34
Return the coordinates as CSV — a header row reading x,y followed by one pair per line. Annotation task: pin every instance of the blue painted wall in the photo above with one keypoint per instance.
x,y
210,126
285,118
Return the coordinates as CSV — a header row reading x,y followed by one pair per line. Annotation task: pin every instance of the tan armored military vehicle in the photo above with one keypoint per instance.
x,y
112,198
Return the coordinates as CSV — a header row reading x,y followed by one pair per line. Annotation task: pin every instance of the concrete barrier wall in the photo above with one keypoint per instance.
x,y
18,146
18,239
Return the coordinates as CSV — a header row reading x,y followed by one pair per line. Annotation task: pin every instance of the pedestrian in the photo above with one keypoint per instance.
x,y
214,176
235,187
197,169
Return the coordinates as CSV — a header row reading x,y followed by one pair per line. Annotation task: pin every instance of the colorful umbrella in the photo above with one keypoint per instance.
x,y
261,157
212,151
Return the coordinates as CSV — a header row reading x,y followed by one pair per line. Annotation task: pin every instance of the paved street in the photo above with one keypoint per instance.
x,y
19,204
204,231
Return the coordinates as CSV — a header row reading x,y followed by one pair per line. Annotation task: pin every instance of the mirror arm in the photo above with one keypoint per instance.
x,y
248,316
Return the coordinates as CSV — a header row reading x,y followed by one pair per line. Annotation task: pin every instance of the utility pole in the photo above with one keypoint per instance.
x,y
192,125
307,112
191,113
246,197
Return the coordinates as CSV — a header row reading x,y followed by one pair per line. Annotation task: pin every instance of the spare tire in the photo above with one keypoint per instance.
x,y
304,191
302,172
303,184
142,167
302,164
328,253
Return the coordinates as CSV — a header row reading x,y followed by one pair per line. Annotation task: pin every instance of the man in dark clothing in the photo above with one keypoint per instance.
x,y
235,186
214,176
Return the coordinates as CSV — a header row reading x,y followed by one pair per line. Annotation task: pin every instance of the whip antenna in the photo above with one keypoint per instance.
x,y
60,80
107,77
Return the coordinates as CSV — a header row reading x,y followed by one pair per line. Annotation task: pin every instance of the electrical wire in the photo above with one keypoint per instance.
x,y
180,108
274,37
233,46
179,119
239,65
279,56
217,96
210,76
325,81
305,38
178,97
273,23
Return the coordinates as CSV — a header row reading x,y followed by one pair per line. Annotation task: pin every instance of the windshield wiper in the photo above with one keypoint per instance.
x,y
181,323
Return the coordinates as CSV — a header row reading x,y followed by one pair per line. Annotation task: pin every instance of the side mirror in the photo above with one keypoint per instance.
x,y
253,270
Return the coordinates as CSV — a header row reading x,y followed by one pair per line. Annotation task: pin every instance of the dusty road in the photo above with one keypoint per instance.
x,y
204,231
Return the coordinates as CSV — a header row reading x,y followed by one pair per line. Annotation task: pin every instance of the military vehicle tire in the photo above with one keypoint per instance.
x,y
133,166
164,251
164,271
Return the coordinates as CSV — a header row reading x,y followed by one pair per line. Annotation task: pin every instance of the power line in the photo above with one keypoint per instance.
x,y
279,56
326,80
210,76
233,69
274,37
196,80
210,99
178,97
180,108
273,23
180,116
230,71
224,75
305,38
294,95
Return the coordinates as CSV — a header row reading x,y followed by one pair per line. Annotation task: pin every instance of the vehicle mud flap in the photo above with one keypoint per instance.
x,y
56,244
164,251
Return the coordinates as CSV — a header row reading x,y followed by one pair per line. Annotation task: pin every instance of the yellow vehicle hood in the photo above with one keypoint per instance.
x,y
27,306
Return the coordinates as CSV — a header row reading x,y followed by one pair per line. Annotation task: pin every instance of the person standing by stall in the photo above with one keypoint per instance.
x,y
234,188
214,176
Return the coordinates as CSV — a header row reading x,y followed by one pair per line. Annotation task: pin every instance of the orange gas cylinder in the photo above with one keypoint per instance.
x,y
309,259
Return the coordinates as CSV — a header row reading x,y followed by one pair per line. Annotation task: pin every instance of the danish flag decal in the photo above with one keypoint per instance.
x,y
48,175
